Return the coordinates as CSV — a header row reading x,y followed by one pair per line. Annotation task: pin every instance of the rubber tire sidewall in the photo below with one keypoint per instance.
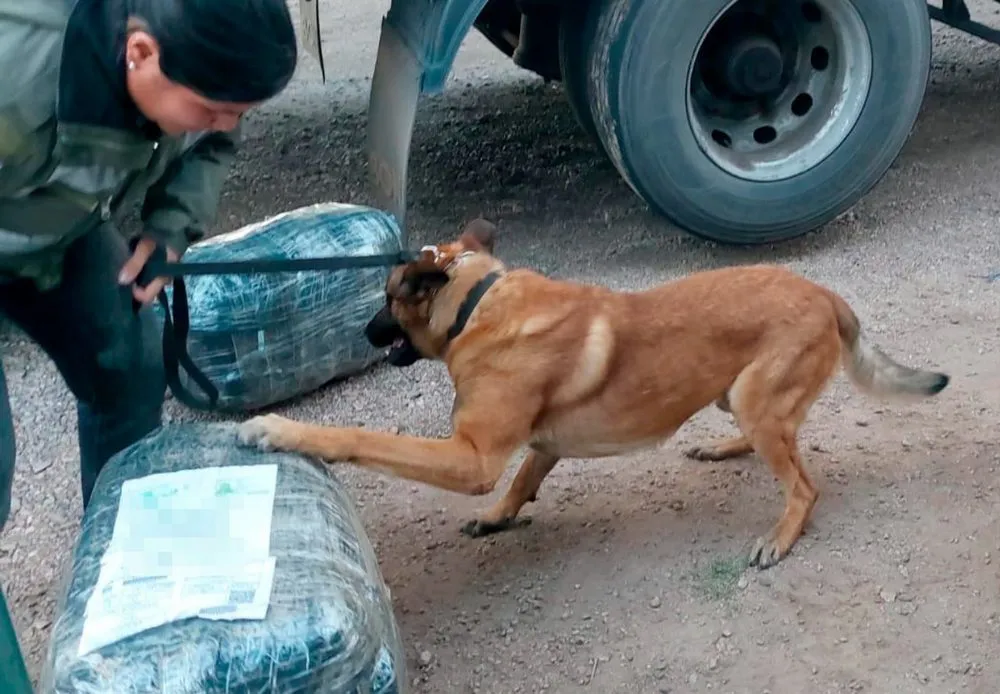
x,y
577,25
642,52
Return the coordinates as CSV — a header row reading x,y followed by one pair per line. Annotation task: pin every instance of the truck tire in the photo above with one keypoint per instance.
x,y
576,32
754,121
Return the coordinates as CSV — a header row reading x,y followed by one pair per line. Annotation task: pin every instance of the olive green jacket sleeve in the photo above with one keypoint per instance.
x,y
184,201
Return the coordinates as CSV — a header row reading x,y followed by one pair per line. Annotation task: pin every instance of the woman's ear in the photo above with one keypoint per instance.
x,y
140,48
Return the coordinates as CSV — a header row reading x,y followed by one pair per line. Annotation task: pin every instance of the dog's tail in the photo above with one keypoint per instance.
x,y
874,372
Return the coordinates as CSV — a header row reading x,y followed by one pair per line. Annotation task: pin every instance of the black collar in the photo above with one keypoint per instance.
x,y
472,300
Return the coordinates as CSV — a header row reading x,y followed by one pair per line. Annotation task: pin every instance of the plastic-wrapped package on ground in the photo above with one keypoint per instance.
x,y
264,338
329,627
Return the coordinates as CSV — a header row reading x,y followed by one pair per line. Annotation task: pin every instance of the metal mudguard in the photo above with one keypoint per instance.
x,y
417,48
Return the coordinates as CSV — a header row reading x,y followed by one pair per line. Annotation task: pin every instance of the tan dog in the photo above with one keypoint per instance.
x,y
581,371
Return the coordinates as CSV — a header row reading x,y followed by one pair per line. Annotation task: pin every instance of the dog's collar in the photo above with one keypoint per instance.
x,y
472,300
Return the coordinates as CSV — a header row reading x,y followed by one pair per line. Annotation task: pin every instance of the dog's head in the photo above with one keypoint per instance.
x,y
422,297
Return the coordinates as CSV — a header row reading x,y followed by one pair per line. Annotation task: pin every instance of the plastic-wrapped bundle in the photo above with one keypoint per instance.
x,y
264,338
329,627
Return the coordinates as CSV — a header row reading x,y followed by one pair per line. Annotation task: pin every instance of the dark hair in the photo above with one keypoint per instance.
x,y
226,50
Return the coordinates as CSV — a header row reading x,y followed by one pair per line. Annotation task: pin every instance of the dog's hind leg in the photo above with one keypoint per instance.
x,y
503,514
770,401
723,403
731,448
775,442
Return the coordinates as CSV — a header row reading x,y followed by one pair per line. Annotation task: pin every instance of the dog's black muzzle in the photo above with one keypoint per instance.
x,y
383,330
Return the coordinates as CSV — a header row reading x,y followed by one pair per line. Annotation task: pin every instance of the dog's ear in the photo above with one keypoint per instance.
x,y
416,285
479,235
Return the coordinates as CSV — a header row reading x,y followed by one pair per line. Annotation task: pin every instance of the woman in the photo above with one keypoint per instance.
x,y
104,103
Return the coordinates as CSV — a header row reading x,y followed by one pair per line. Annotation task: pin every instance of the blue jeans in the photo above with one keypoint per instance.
x,y
109,357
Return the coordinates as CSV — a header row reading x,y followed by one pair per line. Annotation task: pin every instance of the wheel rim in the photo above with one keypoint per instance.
x,y
775,87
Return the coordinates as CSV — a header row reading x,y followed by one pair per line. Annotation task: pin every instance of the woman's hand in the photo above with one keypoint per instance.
x,y
133,266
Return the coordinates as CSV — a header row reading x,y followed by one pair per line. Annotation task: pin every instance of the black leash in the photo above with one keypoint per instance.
x,y
177,323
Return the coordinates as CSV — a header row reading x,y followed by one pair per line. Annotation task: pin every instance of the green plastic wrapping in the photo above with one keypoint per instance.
x,y
329,626
264,338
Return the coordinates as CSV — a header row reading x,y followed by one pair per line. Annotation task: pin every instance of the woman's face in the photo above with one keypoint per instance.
x,y
175,108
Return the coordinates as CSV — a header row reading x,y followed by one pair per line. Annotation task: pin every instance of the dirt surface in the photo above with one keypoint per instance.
x,y
631,576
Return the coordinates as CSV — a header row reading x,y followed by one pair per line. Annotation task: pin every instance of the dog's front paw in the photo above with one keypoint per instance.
x,y
268,433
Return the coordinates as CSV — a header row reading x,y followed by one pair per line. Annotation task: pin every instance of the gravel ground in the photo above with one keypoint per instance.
x,y
629,578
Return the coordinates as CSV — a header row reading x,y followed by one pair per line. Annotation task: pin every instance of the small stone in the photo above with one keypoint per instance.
x,y
425,658
742,583
764,580
887,596
726,633
39,465
655,602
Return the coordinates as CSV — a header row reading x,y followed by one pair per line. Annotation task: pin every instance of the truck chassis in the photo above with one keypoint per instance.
x,y
741,121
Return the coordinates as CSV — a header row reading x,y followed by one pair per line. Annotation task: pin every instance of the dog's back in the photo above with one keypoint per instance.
x,y
616,367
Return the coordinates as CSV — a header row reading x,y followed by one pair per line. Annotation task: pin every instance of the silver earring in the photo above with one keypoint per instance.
x,y
131,65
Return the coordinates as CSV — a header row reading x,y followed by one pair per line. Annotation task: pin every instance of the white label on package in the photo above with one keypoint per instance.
x,y
192,543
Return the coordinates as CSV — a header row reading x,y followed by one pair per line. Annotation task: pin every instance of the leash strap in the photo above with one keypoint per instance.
x,y
176,324
158,266
176,318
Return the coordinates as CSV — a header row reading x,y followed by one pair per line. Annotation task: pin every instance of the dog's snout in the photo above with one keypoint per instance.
x,y
383,328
